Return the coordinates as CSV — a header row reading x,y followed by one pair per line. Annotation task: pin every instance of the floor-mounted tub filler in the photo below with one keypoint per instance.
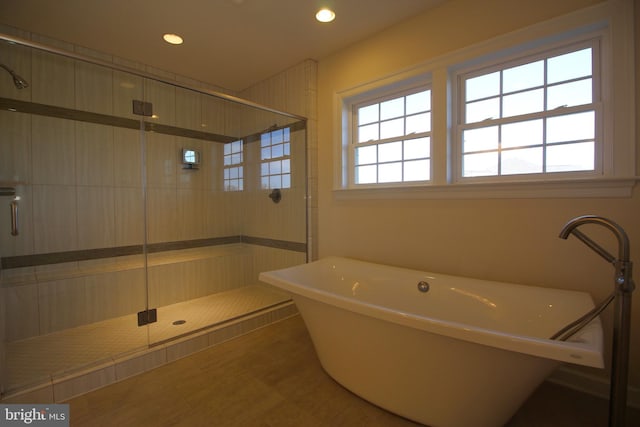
x,y
441,350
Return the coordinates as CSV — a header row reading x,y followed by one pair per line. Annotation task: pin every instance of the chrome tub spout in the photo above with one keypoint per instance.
x,y
623,287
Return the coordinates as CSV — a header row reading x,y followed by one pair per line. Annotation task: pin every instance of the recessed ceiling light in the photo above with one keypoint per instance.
x,y
172,38
325,15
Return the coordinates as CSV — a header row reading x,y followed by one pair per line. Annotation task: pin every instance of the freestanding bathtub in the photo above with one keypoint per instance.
x,y
464,352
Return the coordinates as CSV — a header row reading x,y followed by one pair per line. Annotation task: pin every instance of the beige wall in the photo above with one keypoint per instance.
x,y
514,239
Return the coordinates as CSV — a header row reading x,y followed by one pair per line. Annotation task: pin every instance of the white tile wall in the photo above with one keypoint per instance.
x,y
162,215
93,86
15,147
163,98
95,156
128,216
54,218
126,87
96,217
52,77
53,145
188,109
22,315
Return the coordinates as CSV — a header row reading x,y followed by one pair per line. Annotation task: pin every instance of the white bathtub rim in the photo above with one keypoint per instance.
x,y
585,349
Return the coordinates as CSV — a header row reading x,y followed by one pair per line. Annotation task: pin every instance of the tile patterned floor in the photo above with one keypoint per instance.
x,y
72,349
272,377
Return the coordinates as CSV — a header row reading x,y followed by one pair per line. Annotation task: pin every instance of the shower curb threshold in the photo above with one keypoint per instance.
x,y
122,367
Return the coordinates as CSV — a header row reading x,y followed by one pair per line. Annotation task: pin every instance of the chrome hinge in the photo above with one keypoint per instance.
x,y
147,316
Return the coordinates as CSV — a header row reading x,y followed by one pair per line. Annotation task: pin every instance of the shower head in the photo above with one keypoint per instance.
x,y
17,80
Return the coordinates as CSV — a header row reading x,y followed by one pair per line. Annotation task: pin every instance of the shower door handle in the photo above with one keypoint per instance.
x,y
14,218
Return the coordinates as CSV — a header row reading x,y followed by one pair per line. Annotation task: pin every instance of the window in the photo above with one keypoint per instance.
x,y
392,139
233,166
545,111
539,115
275,154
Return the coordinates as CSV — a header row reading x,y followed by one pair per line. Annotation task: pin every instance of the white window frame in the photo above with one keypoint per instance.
x,y
387,89
271,158
503,63
612,23
354,144
227,166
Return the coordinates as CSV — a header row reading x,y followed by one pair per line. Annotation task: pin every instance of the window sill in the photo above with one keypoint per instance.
x,y
584,188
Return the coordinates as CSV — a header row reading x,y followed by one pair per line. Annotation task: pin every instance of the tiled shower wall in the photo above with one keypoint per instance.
x,y
295,90
81,188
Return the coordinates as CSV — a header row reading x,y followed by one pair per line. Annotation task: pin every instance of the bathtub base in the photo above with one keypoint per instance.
x,y
428,378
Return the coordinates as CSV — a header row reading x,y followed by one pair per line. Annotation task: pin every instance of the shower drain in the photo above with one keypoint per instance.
x,y
179,322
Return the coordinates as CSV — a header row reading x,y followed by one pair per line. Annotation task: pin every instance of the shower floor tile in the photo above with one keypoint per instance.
x,y
38,359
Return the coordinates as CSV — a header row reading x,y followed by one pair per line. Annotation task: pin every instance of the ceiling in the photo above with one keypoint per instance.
x,y
229,43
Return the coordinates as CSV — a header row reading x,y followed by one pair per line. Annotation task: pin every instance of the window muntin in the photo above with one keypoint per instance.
x,y
538,116
233,159
275,154
392,139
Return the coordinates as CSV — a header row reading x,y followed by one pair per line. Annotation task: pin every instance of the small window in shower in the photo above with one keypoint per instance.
x,y
275,154
233,166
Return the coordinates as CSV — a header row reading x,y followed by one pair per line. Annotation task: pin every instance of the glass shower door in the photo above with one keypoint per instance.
x,y
211,225
72,276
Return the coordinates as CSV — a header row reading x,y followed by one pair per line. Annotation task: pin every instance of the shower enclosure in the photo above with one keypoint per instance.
x,y
135,211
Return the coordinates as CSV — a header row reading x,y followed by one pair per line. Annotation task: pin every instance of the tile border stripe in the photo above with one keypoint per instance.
x,y
34,260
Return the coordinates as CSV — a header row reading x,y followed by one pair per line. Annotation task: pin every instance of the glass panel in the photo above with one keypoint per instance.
x,y
521,134
419,102
571,157
366,174
569,94
286,181
366,155
368,133
480,139
277,150
569,66
572,127
392,128
482,110
80,182
528,160
481,164
286,167
523,77
368,114
390,172
193,208
78,188
417,148
275,181
417,170
392,108
277,137
390,152
418,123
482,86
275,167
527,102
